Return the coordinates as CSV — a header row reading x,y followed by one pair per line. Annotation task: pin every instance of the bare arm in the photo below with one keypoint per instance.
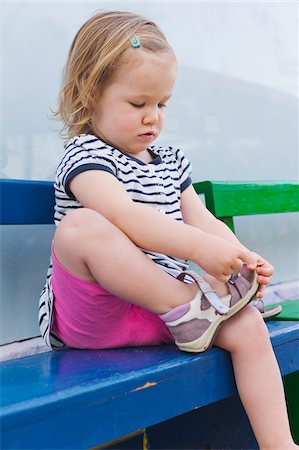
x,y
197,215
151,230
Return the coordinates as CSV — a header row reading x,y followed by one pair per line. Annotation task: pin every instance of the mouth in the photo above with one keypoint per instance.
x,y
148,135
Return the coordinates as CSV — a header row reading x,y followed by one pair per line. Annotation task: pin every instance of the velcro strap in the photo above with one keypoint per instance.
x,y
241,284
208,292
216,302
212,297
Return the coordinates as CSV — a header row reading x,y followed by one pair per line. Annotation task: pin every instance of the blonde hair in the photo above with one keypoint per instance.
x,y
93,57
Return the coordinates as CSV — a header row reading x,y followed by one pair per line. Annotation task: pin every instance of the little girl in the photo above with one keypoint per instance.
x,y
128,219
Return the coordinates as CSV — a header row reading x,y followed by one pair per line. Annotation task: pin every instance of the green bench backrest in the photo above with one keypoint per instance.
x,y
228,199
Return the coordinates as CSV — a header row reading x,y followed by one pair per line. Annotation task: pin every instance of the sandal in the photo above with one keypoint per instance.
x,y
267,313
195,325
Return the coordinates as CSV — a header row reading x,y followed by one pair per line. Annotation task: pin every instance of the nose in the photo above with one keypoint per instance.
x,y
151,116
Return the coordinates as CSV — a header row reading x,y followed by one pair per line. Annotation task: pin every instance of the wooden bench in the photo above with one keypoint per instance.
x,y
78,399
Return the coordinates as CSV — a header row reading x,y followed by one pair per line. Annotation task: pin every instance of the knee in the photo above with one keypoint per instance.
x,y
246,329
252,323
81,225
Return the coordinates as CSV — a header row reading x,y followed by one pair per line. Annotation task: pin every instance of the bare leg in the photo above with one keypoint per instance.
x,y
92,248
258,378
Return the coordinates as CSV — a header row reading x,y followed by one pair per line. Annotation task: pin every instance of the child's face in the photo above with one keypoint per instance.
x,y
130,111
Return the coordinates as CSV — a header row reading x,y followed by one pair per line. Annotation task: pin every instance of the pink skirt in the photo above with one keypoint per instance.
x,y
85,315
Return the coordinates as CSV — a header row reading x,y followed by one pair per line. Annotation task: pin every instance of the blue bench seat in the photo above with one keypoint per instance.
x,y
77,399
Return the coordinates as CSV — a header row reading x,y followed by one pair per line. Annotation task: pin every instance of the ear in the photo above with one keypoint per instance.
x,y
95,93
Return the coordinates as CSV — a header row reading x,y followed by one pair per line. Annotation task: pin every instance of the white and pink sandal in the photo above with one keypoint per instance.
x,y
194,325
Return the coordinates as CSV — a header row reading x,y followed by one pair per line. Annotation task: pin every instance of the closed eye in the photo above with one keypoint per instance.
x,y
141,105
137,105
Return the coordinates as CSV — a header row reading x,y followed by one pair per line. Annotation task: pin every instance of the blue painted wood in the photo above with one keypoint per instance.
x,y
102,395
26,202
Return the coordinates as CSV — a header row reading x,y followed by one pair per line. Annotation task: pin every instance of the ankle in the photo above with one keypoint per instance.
x,y
220,288
185,294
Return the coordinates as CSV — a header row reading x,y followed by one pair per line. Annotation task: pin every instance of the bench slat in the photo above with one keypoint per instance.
x,y
32,202
227,199
25,202
102,395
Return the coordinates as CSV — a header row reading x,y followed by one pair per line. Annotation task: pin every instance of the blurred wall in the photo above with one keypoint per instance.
x,y
234,112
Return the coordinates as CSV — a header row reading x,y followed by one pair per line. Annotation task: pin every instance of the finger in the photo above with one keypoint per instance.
x,y
260,292
252,261
266,270
263,280
224,278
236,266
244,256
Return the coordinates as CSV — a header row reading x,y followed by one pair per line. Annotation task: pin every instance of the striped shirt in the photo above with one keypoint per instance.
x,y
158,184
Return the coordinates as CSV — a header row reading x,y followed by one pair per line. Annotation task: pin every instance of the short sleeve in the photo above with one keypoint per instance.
x,y
184,169
82,154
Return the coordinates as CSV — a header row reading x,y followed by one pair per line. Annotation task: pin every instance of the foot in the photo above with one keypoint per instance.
x,y
194,325
267,313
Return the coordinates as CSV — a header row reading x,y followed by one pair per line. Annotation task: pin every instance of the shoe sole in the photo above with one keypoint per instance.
x,y
272,312
205,341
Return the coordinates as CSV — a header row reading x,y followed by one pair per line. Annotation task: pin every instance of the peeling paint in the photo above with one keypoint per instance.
x,y
145,386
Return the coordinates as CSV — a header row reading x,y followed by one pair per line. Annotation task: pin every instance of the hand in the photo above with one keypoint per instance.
x,y
263,268
220,258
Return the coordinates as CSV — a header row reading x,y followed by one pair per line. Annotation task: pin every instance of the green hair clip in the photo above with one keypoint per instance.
x,y
135,41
